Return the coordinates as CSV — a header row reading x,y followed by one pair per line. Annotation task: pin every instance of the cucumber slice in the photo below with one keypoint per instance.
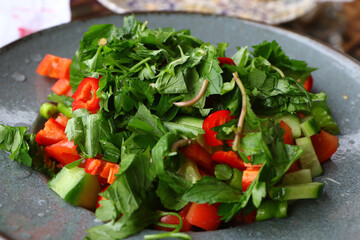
x,y
294,123
76,187
308,159
309,126
298,177
271,209
299,191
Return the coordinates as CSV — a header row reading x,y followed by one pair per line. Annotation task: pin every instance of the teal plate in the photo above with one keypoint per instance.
x,y
30,210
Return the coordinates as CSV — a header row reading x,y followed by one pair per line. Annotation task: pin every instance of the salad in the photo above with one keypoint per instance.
x,y
154,128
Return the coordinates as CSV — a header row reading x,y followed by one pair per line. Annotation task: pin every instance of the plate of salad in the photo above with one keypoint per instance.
x,y
184,126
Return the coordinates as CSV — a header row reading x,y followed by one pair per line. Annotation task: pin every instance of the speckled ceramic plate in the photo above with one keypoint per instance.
x,y
29,210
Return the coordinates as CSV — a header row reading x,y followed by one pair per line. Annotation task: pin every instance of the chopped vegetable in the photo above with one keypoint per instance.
x,y
204,216
54,67
325,145
61,87
213,120
52,133
85,95
178,136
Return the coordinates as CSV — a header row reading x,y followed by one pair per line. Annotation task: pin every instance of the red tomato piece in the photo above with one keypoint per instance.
x,y
113,170
54,67
85,95
109,171
61,87
171,219
248,177
204,216
288,137
64,152
213,120
62,120
52,133
294,167
92,166
45,64
230,158
200,156
241,218
225,60
325,145
308,84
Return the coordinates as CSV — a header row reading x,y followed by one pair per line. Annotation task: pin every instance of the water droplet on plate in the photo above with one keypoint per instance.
x,y
41,214
42,202
18,77
36,57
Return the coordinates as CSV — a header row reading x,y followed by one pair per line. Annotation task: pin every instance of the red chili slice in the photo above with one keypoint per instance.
x,y
85,95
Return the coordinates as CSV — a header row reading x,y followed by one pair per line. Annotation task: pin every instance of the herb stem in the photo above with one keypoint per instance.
x,y
278,70
240,124
180,143
196,98
168,235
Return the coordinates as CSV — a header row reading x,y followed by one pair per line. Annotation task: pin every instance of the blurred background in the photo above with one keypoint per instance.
x,y
336,22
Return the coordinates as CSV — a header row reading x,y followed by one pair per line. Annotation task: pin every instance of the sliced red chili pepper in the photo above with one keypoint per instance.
x,y
64,152
225,60
52,133
213,120
230,158
85,95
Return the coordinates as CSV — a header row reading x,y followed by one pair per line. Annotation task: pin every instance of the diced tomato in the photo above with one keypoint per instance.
x,y
200,156
301,115
109,171
225,60
213,120
92,166
325,145
64,152
308,84
85,95
294,167
54,67
230,158
171,219
62,120
52,133
61,87
204,216
113,170
288,137
241,218
248,177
